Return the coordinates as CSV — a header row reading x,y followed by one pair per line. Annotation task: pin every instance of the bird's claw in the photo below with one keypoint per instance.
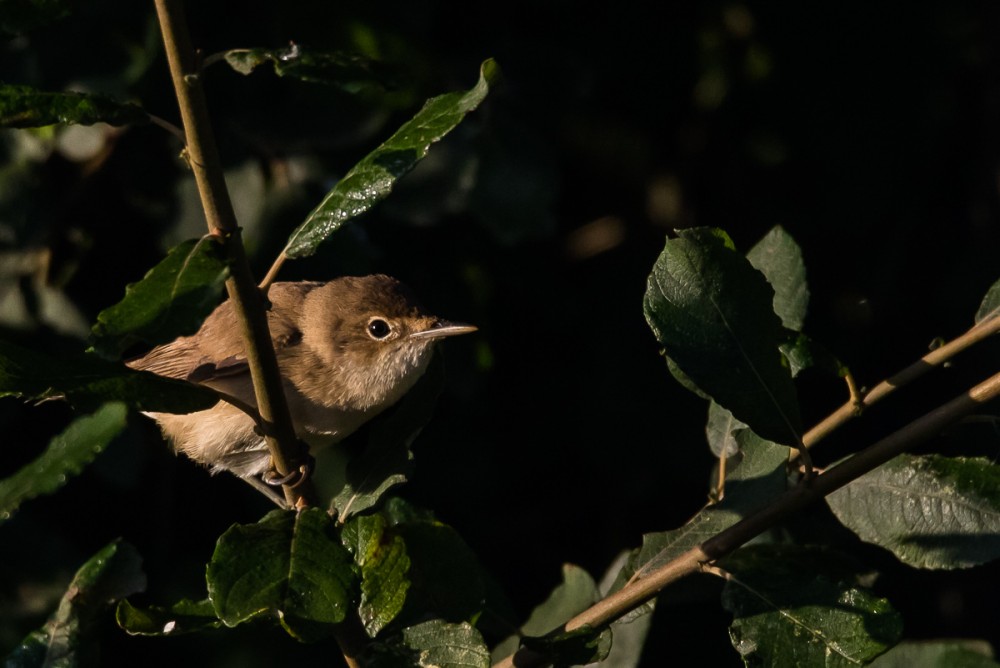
x,y
292,480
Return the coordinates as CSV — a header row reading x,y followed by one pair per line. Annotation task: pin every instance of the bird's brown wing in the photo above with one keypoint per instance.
x,y
191,358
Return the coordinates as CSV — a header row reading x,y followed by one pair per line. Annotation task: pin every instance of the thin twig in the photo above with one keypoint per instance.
x,y
641,590
168,126
857,404
247,300
272,273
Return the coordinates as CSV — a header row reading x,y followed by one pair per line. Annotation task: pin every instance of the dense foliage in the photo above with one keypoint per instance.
x,y
537,205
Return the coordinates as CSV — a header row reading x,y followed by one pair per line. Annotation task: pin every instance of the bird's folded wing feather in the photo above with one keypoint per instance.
x,y
191,358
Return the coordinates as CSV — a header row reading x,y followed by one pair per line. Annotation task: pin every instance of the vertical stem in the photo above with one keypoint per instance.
x,y
247,301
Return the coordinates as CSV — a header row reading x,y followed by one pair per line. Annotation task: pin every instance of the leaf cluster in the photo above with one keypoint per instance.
x,y
373,570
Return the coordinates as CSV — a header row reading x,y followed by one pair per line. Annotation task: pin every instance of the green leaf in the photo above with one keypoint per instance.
x,y
712,312
432,644
26,107
69,639
182,617
803,352
576,593
629,636
349,72
684,380
172,300
19,16
938,654
779,258
990,307
288,565
573,648
87,381
381,556
67,455
446,579
720,430
930,511
386,460
755,476
798,607
373,178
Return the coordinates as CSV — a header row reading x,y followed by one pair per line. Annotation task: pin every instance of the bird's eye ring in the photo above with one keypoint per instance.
x,y
378,328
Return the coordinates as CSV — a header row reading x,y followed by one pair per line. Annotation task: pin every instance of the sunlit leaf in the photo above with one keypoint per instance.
x,y
432,644
373,178
288,565
381,556
930,511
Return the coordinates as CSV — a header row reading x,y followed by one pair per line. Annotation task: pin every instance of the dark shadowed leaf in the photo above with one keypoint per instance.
x,y
373,178
386,460
288,565
26,107
575,593
713,314
779,258
930,511
720,430
87,381
629,637
172,300
381,556
990,307
755,476
349,72
573,648
22,15
938,654
802,352
183,617
67,455
70,638
446,579
799,607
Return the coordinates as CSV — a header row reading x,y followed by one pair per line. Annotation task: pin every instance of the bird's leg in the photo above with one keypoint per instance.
x,y
294,478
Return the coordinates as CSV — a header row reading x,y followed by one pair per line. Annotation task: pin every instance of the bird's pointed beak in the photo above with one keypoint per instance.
x,y
443,328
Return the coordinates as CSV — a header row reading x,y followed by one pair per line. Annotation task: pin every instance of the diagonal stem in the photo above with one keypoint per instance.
x,y
931,360
248,303
643,589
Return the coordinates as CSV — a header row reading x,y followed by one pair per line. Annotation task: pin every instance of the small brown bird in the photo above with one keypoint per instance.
x,y
347,350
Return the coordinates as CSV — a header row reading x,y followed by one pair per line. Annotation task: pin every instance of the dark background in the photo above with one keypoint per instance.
x,y
867,130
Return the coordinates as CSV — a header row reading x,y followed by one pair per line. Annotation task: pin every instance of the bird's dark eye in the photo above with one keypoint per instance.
x,y
379,328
